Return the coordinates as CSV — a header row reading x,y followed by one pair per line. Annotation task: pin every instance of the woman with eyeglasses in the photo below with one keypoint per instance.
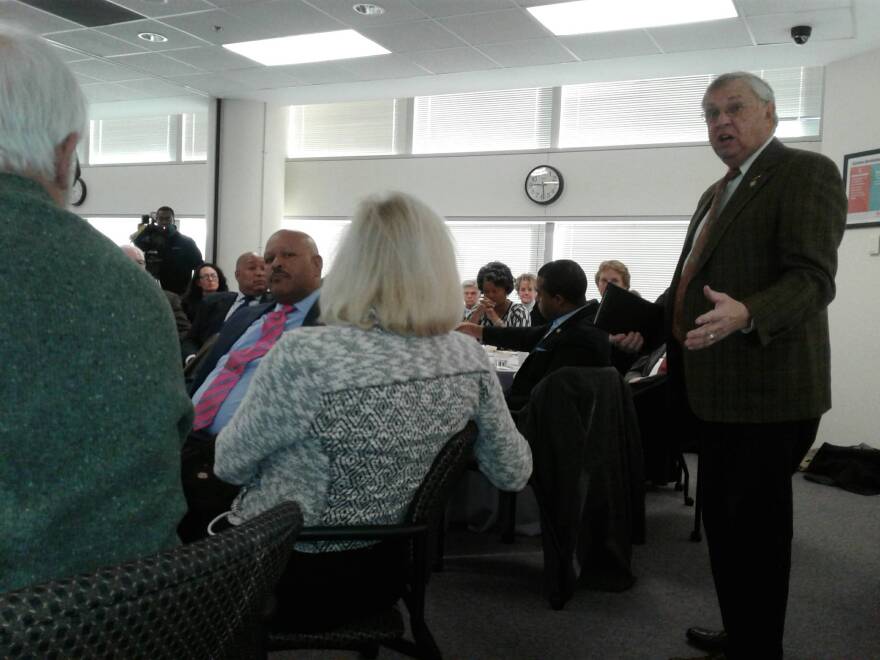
x,y
207,278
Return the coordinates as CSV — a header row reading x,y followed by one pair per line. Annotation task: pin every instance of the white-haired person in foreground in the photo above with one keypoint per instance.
x,y
92,402
346,419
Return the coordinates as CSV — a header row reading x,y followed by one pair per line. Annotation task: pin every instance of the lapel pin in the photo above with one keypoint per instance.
x,y
754,181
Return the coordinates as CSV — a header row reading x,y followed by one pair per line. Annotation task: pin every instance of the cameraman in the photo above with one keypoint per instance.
x,y
171,256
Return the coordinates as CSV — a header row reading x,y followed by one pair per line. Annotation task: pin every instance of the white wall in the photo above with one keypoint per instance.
x,y
138,189
852,97
611,182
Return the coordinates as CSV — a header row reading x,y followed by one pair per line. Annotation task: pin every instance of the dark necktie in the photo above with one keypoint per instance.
x,y
690,265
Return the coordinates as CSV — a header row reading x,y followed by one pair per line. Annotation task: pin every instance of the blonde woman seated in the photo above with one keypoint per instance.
x,y
346,419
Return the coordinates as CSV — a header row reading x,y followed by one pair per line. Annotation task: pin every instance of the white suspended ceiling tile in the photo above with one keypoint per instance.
x,y
260,77
761,7
727,33
530,52
158,8
828,24
104,70
156,64
154,88
452,60
211,58
456,7
211,83
106,93
608,45
216,26
68,55
129,32
378,67
35,20
319,73
282,18
396,11
495,27
95,43
413,36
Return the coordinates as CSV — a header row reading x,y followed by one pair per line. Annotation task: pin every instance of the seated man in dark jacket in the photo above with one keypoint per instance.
x,y
569,339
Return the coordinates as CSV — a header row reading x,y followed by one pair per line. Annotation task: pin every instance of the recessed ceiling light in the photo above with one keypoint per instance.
x,y
301,48
587,16
153,37
368,9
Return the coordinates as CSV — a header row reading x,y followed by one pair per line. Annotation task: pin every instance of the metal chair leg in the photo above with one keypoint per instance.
x,y
697,534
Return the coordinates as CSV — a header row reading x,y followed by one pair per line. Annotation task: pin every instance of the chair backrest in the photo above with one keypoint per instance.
x,y
203,600
450,463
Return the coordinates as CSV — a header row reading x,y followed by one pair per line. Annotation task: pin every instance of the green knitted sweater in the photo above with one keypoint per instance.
x,y
93,409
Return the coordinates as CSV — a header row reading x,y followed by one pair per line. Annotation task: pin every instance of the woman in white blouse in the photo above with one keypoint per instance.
x,y
346,419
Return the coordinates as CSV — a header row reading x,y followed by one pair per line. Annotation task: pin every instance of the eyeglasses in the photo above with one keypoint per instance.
x,y
733,110
209,276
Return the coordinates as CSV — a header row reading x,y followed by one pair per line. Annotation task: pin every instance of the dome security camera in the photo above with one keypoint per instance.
x,y
801,34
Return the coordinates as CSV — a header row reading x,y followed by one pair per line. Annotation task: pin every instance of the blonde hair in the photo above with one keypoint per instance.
x,y
395,268
618,266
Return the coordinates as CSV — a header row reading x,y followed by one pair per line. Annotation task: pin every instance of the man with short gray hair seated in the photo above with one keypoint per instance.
x,y
93,408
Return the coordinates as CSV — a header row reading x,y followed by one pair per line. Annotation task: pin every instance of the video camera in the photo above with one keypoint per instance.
x,y
152,240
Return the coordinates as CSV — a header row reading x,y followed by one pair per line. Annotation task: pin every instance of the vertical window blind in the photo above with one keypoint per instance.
x,y
649,247
195,136
483,121
364,128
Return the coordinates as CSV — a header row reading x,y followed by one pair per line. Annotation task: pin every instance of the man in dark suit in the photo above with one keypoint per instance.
x,y
749,350
222,380
217,308
569,339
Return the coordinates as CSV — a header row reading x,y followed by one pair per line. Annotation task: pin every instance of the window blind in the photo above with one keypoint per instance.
x,y
668,110
483,121
195,136
520,245
133,140
327,234
363,128
649,247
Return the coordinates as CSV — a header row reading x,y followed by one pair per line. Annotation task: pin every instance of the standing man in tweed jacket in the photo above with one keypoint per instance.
x,y
749,350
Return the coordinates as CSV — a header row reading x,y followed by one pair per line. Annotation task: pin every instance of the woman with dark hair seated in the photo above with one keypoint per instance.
x,y
347,418
207,278
495,282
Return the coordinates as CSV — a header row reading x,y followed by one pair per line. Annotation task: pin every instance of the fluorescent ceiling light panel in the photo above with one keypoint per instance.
x,y
587,16
317,47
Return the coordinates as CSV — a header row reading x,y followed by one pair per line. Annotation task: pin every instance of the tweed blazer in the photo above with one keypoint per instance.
x,y
773,248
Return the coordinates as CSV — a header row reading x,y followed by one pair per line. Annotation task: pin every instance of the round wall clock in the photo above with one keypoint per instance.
x,y
544,184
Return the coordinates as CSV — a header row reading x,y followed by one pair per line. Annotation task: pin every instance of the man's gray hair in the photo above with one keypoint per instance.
x,y
469,284
41,103
757,84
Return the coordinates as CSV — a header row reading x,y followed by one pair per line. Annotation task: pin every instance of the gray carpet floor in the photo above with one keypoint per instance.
x,y
488,602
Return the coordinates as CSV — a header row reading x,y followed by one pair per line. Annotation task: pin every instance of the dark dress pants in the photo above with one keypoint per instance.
x,y
746,471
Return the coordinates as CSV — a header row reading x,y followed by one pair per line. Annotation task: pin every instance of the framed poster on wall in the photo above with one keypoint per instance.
x,y
861,174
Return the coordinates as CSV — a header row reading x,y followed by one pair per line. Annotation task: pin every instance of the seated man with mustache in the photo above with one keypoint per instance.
x,y
221,382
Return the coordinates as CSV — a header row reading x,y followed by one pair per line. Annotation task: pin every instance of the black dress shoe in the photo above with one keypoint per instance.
x,y
707,640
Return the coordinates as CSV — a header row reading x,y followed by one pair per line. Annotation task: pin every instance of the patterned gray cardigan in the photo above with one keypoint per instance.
x,y
347,422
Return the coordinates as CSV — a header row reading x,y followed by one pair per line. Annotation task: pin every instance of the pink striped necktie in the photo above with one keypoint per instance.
x,y
212,400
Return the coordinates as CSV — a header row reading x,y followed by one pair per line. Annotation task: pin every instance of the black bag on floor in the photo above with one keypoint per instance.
x,y
856,469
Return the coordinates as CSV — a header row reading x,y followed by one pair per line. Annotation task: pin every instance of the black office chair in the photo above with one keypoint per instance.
x,y
203,600
386,628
